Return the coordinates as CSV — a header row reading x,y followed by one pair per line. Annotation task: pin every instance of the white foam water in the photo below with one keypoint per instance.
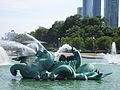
x,y
4,59
113,57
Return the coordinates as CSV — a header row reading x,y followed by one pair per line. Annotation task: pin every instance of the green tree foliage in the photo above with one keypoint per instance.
x,y
53,35
91,21
21,38
90,43
69,23
40,33
74,31
77,42
66,40
104,43
79,33
72,21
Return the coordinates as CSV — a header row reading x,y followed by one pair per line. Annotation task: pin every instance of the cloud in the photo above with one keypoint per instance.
x,y
37,8
25,3
33,3
27,15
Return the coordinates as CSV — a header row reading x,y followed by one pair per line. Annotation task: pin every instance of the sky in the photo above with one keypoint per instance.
x,y
27,15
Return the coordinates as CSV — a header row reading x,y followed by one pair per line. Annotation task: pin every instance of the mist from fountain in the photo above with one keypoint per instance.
x,y
113,49
21,50
113,57
4,59
18,48
66,48
39,45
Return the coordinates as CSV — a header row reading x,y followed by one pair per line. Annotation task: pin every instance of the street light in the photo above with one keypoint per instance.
x,y
59,42
94,44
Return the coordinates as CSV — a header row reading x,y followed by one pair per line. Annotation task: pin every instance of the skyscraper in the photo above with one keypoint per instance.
x,y
111,9
96,7
80,11
87,8
91,8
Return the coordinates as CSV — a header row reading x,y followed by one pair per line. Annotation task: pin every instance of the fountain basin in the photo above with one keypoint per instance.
x,y
92,55
17,83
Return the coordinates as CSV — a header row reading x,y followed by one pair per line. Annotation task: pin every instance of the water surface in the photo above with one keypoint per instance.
x,y
112,82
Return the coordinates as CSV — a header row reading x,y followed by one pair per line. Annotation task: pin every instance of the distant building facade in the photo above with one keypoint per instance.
x,y
91,8
96,7
10,35
80,11
111,12
87,8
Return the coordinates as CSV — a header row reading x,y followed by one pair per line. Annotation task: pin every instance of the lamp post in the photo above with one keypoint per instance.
x,y
93,44
59,42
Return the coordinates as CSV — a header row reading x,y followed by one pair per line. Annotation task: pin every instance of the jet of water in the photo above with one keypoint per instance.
x,y
113,49
66,48
4,59
20,49
113,57
41,47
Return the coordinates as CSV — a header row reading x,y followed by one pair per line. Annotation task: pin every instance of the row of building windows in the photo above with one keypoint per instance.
x,y
93,8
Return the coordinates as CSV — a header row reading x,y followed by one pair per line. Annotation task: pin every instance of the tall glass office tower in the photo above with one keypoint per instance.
x,y
96,7
87,8
91,8
111,11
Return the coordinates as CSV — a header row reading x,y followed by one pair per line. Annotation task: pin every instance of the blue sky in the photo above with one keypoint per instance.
x,y
26,15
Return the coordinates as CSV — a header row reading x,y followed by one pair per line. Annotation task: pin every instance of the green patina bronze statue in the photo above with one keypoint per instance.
x,y
47,67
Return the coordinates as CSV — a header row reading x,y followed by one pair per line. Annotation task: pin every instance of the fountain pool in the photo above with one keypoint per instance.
x,y
17,83
108,83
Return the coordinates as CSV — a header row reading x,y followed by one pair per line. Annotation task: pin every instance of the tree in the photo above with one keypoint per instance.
x,y
104,42
53,32
91,21
69,23
32,33
65,40
107,31
76,42
41,34
21,38
79,33
90,43
75,31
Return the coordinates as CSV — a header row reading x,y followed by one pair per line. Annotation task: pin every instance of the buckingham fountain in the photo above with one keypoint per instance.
x,y
34,67
45,66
